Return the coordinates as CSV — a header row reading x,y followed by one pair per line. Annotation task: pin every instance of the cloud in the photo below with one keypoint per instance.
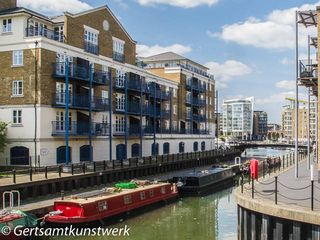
x,y
285,84
121,3
286,61
146,51
279,98
178,3
224,72
277,31
56,6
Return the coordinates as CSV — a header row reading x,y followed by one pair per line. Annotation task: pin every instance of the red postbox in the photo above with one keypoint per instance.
x,y
254,168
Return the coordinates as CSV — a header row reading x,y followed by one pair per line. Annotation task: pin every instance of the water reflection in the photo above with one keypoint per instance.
x,y
197,218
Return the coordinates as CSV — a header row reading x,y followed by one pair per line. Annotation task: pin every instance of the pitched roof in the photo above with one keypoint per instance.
x,y
22,10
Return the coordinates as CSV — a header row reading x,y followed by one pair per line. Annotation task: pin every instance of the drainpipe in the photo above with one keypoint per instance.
x,y
35,102
90,111
110,116
67,110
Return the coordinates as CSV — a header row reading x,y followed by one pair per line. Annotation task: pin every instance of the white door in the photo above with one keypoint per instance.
x,y
60,93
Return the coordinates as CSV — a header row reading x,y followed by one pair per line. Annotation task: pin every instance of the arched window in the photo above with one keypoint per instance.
x,y
203,146
166,148
195,146
155,151
61,155
19,156
121,152
135,150
85,153
181,147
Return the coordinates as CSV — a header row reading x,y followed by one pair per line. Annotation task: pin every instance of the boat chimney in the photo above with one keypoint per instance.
x,y
7,4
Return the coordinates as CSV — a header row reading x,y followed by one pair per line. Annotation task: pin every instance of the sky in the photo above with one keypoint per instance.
x,y
249,45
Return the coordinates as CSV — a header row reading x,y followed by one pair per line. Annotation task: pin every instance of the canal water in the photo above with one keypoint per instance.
x,y
192,218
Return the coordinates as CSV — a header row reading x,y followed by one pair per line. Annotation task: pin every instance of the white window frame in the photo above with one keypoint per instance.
x,y
17,58
174,92
175,109
17,116
120,102
91,35
118,45
6,26
17,88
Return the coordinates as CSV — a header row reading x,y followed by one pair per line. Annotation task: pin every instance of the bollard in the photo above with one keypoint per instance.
x,y
94,166
113,165
46,172
72,169
312,194
129,162
83,168
30,174
14,176
276,190
241,183
62,194
59,170
252,189
104,165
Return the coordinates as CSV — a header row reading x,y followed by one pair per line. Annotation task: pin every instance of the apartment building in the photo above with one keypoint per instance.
x,y
71,92
288,123
260,125
237,117
195,102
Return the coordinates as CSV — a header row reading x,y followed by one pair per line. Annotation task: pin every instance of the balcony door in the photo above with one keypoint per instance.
x,y
60,64
60,93
60,122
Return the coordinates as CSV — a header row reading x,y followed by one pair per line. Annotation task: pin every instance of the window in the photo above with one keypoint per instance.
x,y
174,92
195,146
103,206
142,195
174,125
7,25
17,58
17,88
120,78
120,102
174,109
166,148
181,147
120,124
167,107
210,100
118,45
127,199
151,193
91,37
17,116
104,95
163,190
167,124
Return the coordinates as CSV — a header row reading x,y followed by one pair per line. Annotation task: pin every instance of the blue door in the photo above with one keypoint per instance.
x,y
181,147
166,148
155,150
203,146
135,150
195,146
85,153
61,155
121,151
19,156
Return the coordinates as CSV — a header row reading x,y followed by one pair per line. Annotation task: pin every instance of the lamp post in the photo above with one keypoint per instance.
x,y
296,103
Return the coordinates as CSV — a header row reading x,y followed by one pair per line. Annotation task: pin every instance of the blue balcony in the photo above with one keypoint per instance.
x,y
196,86
91,48
134,108
195,117
80,73
119,57
43,32
136,85
79,129
159,94
81,102
199,102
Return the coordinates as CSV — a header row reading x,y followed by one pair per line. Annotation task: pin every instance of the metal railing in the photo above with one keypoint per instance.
x,y
275,188
80,128
43,32
119,57
91,47
78,101
80,73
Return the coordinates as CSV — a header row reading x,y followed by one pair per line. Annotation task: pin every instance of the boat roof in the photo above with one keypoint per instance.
x,y
104,195
206,172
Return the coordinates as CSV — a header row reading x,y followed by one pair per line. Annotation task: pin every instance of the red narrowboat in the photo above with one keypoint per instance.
x,y
83,210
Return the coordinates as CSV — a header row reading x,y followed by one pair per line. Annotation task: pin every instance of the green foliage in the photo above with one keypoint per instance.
x,y
3,135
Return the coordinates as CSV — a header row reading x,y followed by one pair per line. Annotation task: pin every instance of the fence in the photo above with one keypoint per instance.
x,y
272,189
38,173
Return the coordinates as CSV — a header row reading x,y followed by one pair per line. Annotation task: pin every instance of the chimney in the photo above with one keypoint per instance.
x,y
7,4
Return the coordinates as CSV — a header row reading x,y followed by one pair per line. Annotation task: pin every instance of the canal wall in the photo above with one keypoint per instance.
x,y
37,188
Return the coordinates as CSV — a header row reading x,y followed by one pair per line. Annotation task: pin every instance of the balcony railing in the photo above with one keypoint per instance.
x,y
134,108
119,57
136,85
79,129
43,32
196,117
91,47
196,86
164,95
196,101
308,71
78,101
80,73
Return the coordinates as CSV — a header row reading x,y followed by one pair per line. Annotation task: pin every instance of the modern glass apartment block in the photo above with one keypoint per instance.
x,y
260,125
74,78
237,117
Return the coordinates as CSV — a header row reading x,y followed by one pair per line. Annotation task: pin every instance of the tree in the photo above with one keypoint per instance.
x,y
3,135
